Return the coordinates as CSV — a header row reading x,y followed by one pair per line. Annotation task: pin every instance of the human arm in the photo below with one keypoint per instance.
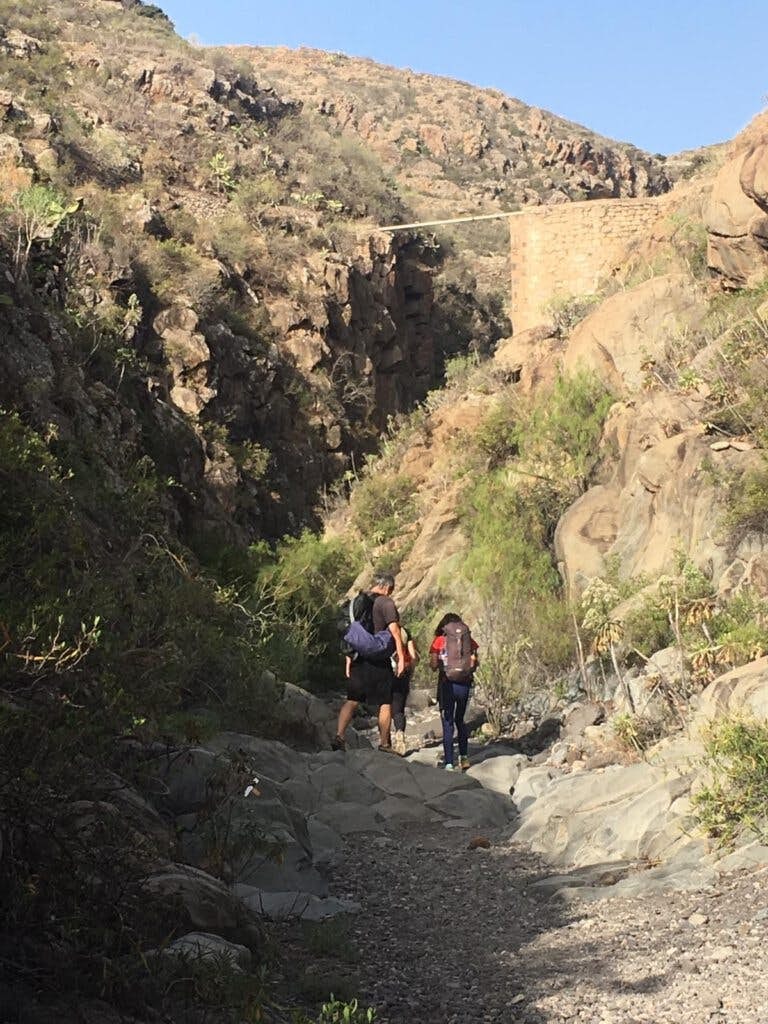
x,y
434,654
413,651
347,666
394,629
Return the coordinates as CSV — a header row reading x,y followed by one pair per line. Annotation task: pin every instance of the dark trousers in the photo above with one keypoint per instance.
x,y
454,698
400,690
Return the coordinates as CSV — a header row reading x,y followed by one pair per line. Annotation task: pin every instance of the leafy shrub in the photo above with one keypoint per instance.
x,y
509,564
108,629
497,436
747,502
296,593
175,268
568,311
734,801
382,506
338,1012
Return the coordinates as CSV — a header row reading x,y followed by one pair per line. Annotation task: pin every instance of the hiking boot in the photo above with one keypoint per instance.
x,y
398,743
464,763
449,767
338,743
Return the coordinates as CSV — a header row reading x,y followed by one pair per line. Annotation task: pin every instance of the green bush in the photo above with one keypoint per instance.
x,y
296,594
383,506
747,502
735,800
568,311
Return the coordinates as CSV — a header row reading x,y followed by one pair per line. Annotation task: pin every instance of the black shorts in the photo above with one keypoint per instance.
x,y
370,682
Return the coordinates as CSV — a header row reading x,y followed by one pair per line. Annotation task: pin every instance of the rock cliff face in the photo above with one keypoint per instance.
x,y
275,348
737,215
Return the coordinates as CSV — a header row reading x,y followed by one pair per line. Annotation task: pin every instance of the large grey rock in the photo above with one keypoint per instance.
x,y
204,946
475,808
268,759
689,870
209,905
305,718
614,814
327,844
190,778
577,718
278,906
499,773
348,818
748,857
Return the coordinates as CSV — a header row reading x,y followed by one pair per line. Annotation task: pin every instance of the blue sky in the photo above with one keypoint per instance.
x,y
664,75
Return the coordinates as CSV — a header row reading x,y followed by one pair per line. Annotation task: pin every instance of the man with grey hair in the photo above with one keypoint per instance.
x,y
370,680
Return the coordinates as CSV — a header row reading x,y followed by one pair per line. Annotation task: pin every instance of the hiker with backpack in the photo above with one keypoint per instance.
x,y
453,655
373,636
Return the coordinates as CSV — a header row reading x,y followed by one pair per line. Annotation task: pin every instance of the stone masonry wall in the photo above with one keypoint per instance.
x,y
564,251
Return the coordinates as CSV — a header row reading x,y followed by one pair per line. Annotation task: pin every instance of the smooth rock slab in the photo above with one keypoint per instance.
x,y
531,783
615,814
279,906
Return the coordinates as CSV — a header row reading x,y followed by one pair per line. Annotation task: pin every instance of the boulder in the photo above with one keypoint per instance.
x,y
742,690
632,327
474,808
737,243
204,946
576,719
208,904
500,773
309,721
531,783
601,816
657,503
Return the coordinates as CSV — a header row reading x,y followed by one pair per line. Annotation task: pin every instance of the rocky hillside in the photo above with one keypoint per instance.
x,y
202,333
451,148
603,464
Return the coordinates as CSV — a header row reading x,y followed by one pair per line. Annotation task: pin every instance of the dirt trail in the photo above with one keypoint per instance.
x,y
449,935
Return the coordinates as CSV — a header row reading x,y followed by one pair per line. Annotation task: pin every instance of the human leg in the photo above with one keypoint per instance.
x,y
461,697
385,725
345,716
401,689
447,713
379,680
355,694
399,697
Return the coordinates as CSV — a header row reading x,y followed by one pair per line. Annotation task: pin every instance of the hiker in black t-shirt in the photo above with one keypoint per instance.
x,y
370,680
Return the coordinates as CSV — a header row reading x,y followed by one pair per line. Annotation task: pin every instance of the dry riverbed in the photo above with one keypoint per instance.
x,y
449,935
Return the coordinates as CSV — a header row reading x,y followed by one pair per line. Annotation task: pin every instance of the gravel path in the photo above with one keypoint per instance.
x,y
450,935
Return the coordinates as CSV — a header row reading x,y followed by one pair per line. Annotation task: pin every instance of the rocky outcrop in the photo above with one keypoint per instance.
x,y
658,500
622,340
737,215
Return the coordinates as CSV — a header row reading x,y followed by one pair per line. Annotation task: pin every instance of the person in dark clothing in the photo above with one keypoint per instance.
x,y
371,681
452,697
401,689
